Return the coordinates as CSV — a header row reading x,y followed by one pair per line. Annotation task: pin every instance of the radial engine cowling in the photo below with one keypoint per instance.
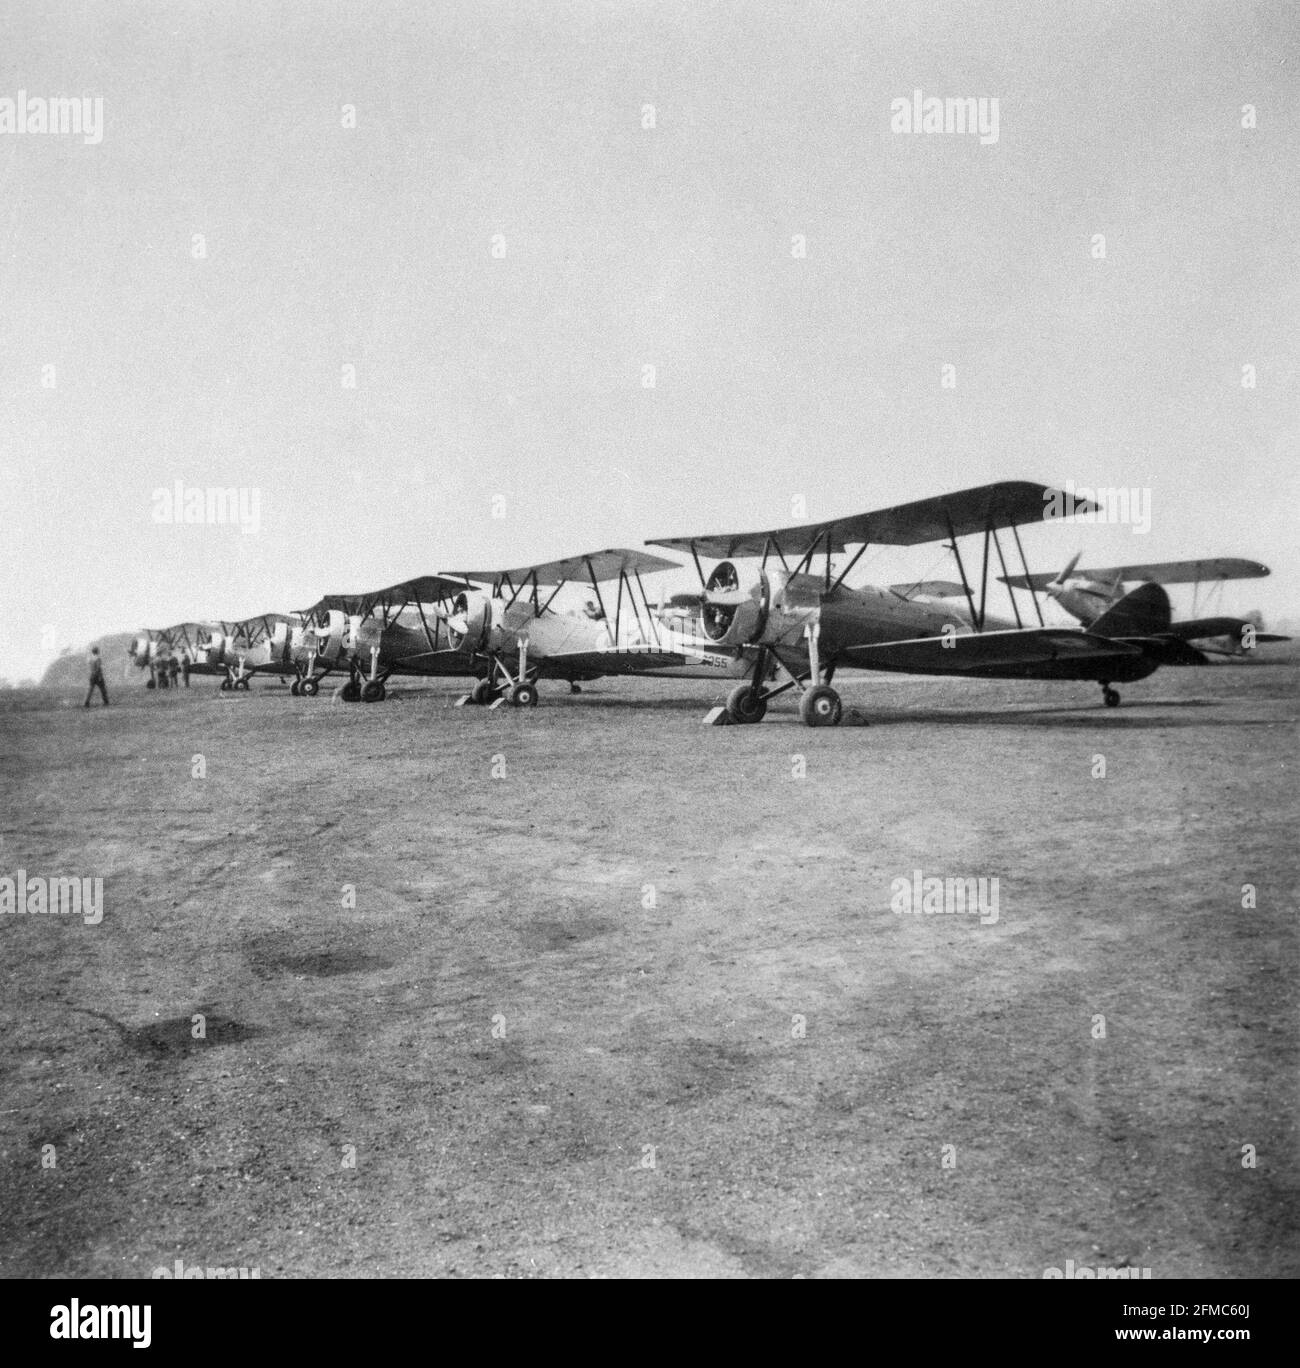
x,y
278,647
364,637
734,614
469,623
212,645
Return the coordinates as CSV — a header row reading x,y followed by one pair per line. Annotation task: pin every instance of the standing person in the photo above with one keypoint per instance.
x,y
174,671
96,678
185,669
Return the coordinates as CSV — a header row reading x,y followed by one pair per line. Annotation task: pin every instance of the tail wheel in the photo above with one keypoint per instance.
x,y
351,692
309,688
373,692
482,693
746,704
1110,697
524,696
821,707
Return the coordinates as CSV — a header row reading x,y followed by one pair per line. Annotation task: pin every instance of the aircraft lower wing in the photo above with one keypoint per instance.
x,y
627,661
987,650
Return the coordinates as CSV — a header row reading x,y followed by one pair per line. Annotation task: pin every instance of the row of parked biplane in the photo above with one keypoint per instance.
x,y
784,621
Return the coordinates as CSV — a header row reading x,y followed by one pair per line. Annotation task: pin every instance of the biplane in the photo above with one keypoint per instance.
x,y
399,629
1087,594
796,610
512,626
153,647
240,649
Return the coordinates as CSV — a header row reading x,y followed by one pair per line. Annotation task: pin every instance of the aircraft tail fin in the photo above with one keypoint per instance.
x,y
1144,612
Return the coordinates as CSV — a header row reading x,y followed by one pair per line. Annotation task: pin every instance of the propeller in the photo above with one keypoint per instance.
x,y
1059,582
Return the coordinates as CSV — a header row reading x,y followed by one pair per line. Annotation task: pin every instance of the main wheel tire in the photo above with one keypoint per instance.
x,y
524,695
1110,697
242,685
351,692
821,707
573,688
296,687
746,704
373,691
225,686
151,684
309,688
482,693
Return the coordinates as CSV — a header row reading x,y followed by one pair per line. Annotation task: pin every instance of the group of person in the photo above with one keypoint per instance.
x,y
169,671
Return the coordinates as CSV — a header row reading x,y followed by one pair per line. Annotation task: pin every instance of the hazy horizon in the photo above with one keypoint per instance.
x,y
482,377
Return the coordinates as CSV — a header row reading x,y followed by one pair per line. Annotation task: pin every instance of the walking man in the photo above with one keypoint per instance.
x,y
96,678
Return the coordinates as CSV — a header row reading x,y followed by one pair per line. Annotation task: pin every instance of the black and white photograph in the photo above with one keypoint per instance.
x,y
649,639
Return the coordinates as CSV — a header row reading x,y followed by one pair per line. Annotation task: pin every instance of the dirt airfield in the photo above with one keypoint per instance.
x,y
621,995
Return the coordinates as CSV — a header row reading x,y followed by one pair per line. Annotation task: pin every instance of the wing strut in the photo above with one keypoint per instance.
x,y
595,584
1002,561
961,570
857,556
1033,593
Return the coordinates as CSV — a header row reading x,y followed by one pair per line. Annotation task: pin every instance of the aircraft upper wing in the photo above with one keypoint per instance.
x,y
598,565
1008,503
421,589
1158,572
981,650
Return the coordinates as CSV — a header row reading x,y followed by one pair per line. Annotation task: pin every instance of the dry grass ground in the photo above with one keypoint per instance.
x,y
626,1020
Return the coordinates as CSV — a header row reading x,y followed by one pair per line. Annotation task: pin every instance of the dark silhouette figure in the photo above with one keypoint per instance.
x,y
96,678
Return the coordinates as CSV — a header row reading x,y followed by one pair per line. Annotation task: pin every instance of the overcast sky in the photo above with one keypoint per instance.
x,y
521,378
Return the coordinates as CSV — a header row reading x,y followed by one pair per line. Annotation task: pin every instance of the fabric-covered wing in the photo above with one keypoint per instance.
x,y
1032,646
598,565
421,589
1008,503
1157,572
624,662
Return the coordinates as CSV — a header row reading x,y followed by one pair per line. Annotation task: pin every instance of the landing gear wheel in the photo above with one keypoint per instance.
x,y
225,686
296,687
351,692
242,685
483,693
373,691
820,707
1110,697
746,704
309,688
151,684
573,688
524,696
